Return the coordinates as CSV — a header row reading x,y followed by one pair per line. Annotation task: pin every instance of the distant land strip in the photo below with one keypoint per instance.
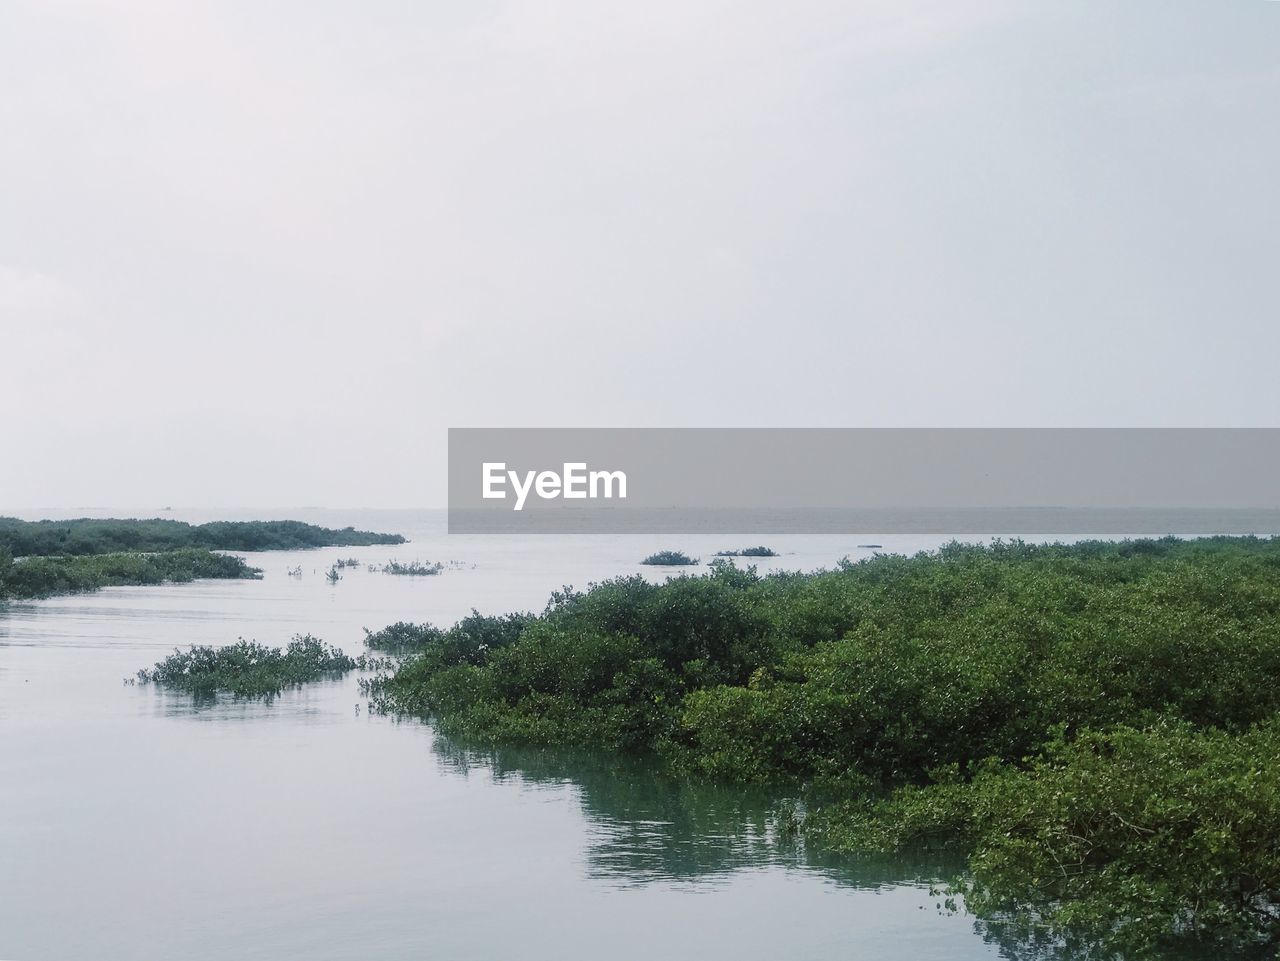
x,y
86,535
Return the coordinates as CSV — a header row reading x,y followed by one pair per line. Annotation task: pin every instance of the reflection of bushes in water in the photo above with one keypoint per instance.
x,y
1018,942
648,826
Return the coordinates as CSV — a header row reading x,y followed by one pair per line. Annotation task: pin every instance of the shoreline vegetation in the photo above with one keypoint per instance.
x,y
46,558
88,535
37,577
1093,727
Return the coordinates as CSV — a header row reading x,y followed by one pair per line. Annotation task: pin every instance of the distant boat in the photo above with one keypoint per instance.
x,y
168,508
871,545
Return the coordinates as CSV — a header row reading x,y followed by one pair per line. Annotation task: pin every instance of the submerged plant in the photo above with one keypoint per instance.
x,y
749,552
412,569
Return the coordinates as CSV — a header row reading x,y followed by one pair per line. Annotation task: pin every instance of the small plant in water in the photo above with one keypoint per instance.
x,y
669,559
333,576
412,569
749,552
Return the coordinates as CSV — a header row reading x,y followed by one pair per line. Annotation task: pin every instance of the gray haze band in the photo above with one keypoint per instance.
x,y
1013,481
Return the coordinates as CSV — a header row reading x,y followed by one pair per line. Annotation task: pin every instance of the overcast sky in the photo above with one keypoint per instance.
x,y
265,253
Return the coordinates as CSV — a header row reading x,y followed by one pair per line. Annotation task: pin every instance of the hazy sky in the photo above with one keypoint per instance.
x,y
265,253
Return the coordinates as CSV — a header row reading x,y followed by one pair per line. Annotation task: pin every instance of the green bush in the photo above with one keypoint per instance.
x,y
1130,842
896,665
402,638
669,559
248,669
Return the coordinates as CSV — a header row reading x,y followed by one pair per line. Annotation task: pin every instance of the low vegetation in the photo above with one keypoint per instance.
x,y
1093,726
86,535
749,552
1132,839
34,577
467,642
412,569
249,669
669,559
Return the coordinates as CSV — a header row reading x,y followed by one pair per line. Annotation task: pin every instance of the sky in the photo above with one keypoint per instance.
x,y
267,253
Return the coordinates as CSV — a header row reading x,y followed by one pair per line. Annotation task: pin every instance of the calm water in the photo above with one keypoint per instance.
x,y
135,824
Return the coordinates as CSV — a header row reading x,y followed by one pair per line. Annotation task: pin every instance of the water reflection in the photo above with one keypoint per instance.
x,y
646,826
311,703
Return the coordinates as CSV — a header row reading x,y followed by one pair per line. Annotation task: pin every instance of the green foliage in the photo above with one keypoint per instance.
x,y
402,638
669,559
46,576
1130,841
247,668
88,535
470,641
963,698
749,552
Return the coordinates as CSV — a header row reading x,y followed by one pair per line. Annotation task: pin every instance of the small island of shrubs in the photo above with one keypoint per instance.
x,y
670,559
749,552
249,669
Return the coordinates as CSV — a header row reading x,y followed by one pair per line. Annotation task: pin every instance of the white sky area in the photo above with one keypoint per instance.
x,y
266,253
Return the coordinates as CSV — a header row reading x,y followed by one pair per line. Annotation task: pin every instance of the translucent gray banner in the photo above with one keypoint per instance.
x,y
1013,481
